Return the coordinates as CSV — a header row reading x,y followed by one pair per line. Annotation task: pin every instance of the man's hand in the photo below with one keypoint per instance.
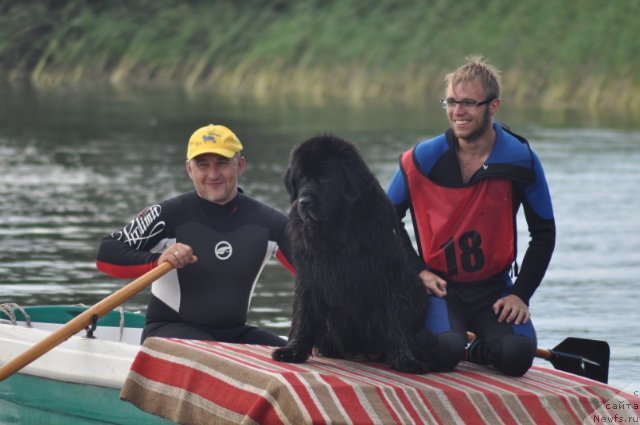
x,y
435,284
511,309
179,255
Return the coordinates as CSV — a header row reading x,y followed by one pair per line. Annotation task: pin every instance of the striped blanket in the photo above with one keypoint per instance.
x,y
196,382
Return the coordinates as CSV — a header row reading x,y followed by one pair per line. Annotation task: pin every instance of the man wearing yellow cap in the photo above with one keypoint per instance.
x,y
218,239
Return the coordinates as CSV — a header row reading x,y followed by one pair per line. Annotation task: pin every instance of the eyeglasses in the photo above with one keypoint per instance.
x,y
464,103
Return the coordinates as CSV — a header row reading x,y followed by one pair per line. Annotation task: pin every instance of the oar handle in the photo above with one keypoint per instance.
x,y
82,320
542,353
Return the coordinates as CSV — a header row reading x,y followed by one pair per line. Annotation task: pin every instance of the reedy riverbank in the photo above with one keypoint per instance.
x,y
556,53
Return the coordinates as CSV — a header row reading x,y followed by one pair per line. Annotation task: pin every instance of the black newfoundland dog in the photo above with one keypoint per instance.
x,y
355,295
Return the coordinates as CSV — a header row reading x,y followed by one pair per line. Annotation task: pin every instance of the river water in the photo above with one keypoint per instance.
x,y
76,165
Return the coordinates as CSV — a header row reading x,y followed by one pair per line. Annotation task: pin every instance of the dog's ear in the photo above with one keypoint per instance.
x,y
352,190
289,185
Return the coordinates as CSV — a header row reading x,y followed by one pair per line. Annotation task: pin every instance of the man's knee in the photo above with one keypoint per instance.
x,y
449,350
516,355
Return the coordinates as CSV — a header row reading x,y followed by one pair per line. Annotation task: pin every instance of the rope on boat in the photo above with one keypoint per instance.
x,y
9,310
121,311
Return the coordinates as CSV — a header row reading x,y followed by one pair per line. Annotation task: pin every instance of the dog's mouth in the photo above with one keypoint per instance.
x,y
307,214
308,217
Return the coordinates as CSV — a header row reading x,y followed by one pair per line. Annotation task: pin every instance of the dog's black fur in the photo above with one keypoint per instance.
x,y
355,293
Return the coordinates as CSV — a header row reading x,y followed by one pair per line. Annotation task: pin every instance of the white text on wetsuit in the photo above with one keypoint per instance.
x,y
134,232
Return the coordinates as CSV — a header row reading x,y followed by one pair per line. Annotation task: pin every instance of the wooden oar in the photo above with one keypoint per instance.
x,y
82,320
582,357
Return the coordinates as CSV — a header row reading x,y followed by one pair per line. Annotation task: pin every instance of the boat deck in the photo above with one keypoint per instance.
x,y
200,382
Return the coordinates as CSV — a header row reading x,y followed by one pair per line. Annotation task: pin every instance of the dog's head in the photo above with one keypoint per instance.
x,y
325,173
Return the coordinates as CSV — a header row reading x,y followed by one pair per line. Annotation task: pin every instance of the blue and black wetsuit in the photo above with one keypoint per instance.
x,y
466,233
208,299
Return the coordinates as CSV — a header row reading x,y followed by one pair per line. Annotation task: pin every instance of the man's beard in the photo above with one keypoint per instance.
x,y
481,130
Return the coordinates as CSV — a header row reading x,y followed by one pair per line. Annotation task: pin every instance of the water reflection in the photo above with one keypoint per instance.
x,y
76,166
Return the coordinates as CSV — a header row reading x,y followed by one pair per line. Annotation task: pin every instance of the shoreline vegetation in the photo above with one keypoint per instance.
x,y
555,54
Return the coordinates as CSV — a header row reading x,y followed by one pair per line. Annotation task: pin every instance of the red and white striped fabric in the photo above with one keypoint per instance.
x,y
197,382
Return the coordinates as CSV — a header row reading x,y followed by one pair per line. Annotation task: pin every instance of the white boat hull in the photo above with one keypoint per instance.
x,y
92,361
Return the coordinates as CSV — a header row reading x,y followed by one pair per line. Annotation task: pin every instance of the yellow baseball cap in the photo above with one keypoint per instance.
x,y
216,139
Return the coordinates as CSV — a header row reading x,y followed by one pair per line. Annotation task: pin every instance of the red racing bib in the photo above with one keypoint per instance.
x,y
466,233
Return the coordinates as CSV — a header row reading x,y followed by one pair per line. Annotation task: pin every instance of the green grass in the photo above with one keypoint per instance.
x,y
554,53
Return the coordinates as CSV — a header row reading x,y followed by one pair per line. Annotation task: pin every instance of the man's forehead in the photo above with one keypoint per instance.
x,y
469,86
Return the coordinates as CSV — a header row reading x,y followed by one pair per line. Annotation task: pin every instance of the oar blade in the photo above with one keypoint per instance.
x,y
583,357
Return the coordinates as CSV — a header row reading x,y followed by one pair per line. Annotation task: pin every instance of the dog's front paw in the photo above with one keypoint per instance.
x,y
290,354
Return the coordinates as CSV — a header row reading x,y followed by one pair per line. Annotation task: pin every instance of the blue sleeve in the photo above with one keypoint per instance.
x,y
538,210
537,193
399,196
426,153
397,190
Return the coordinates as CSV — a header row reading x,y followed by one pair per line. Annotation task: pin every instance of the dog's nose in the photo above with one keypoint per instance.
x,y
304,201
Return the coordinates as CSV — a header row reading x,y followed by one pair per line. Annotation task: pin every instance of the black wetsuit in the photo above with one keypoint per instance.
x,y
208,299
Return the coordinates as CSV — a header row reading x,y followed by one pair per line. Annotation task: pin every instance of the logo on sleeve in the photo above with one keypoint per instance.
x,y
223,250
142,228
